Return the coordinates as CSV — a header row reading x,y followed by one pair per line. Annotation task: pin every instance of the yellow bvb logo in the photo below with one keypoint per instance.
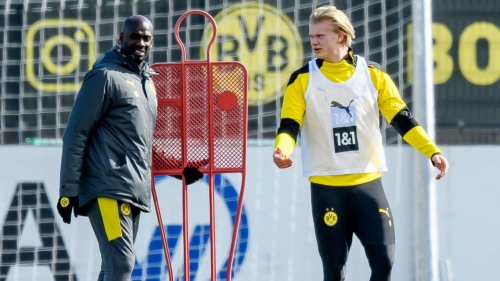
x,y
264,39
125,209
330,218
64,202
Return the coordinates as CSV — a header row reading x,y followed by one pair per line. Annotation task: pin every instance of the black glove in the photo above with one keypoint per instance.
x,y
191,174
65,205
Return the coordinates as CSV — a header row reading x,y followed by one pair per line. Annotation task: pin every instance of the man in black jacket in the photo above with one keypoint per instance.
x,y
106,158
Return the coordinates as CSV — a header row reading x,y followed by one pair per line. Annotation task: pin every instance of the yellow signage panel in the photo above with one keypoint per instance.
x,y
265,40
82,33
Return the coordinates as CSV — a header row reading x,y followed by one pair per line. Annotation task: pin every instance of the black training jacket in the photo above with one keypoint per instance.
x,y
108,139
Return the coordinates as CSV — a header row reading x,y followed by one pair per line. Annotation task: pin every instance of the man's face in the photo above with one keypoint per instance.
x,y
324,41
136,41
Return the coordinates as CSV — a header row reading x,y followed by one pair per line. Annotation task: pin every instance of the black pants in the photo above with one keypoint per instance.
x,y
340,212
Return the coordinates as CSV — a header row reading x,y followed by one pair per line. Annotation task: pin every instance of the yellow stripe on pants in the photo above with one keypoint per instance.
x,y
110,217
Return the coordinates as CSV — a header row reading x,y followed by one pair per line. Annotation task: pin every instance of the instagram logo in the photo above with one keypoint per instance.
x,y
55,50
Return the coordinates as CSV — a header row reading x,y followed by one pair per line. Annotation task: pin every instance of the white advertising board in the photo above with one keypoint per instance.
x,y
276,238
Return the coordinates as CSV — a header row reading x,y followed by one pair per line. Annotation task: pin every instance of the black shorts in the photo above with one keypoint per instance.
x,y
340,212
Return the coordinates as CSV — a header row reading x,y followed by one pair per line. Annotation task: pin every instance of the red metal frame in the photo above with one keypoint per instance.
x,y
194,96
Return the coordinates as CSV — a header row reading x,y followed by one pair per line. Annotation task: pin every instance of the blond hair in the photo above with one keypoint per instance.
x,y
340,23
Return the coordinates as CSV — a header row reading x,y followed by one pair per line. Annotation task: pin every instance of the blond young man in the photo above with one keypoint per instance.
x,y
335,102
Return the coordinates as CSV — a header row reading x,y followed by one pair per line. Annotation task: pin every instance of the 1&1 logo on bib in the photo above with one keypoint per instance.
x,y
345,136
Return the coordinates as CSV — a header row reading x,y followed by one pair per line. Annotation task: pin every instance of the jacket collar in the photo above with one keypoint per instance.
x,y
349,58
115,56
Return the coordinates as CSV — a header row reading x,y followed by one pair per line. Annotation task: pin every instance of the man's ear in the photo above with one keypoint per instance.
x,y
340,38
120,39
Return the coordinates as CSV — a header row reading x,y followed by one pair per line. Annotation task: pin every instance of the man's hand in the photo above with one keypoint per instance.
x,y
64,207
281,160
441,163
192,174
